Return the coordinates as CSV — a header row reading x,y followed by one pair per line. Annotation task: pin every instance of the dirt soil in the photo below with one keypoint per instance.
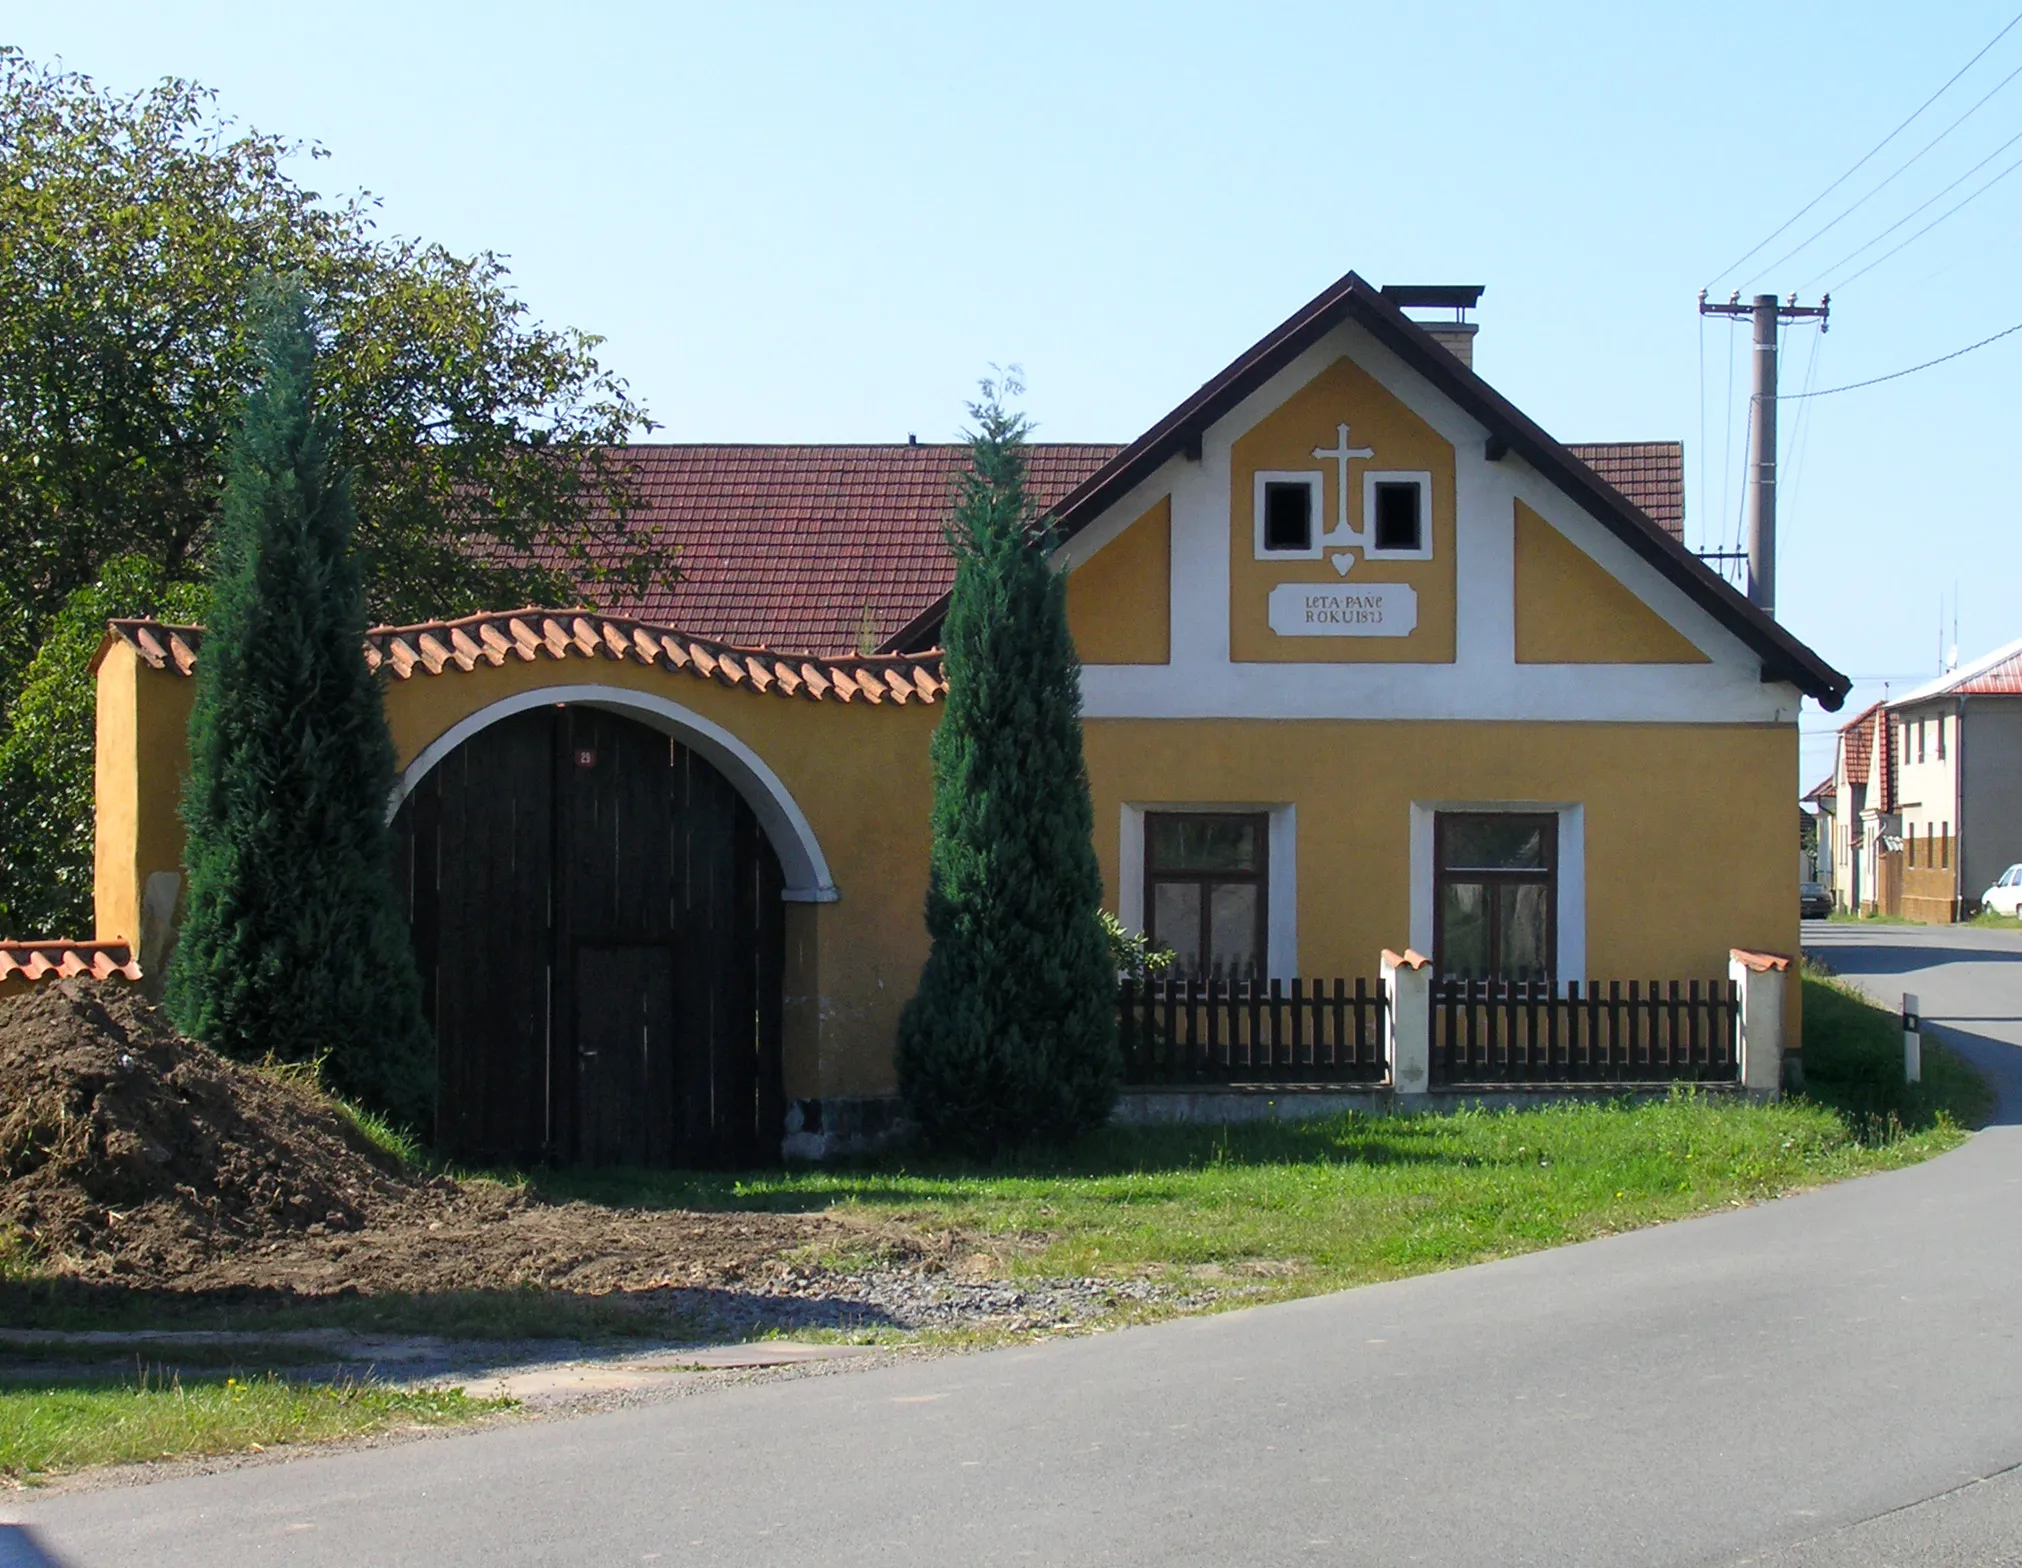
x,y
132,1157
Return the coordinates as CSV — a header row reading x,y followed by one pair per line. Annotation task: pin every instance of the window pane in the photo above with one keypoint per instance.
x,y
1463,930
1288,516
1176,922
1232,929
1190,843
1526,931
1397,520
1488,843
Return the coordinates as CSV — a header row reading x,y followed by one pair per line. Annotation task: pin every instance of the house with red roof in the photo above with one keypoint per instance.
x,y
1956,745
1376,674
1857,822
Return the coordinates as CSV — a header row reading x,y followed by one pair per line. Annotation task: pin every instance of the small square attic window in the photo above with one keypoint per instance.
x,y
1288,508
1396,511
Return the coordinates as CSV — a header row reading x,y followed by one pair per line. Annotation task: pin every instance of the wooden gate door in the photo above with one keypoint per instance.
x,y
597,913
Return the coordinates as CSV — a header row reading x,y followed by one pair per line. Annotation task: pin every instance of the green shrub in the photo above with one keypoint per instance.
x,y
294,946
1012,1035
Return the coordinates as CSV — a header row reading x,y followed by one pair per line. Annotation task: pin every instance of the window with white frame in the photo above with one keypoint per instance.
x,y
1207,891
1397,516
1288,515
1495,895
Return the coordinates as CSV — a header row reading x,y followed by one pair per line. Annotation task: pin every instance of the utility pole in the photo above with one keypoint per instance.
x,y
1767,315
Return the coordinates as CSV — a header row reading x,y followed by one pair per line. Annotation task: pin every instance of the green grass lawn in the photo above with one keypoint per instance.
x,y
1987,919
1257,1212
1324,1204
46,1429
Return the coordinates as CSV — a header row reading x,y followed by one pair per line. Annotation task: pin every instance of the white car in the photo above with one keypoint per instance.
x,y
2005,896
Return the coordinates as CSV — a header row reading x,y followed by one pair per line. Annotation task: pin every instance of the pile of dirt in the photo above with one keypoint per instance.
x,y
123,1143
131,1156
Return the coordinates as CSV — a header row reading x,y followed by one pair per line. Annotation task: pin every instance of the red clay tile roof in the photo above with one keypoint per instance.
x,y
66,960
438,647
832,548
1857,740
1650,473
821,549
1867,738
1824,789
2000,679
1996,674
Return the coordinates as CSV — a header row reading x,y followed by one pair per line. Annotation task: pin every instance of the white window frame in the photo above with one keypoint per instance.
x,y
1371,478
1570,896
1281,887
1314,481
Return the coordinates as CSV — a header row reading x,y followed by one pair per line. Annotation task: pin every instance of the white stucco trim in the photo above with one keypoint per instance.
x,y
1281,889
1484,681
1599,693
1572,888
800,857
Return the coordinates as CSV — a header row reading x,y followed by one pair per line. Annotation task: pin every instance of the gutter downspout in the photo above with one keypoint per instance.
x,y
1959,810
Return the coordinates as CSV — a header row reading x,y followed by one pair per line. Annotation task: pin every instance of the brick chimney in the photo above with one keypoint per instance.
x,y
1454,332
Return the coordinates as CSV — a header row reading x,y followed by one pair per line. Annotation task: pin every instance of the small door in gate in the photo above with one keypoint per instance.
x,y
626,1094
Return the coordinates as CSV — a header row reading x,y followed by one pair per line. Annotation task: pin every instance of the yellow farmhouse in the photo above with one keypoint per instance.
x,y
1370,662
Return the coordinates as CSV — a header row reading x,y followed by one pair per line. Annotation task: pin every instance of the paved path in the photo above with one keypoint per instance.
x,y
1833,1379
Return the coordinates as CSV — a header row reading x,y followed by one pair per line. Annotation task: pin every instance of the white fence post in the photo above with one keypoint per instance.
x,y
1913,1039
1760,978
1407,1020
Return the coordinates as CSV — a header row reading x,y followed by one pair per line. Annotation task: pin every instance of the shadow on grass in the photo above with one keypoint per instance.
x,y
1348,1139
1853,1065
697,1314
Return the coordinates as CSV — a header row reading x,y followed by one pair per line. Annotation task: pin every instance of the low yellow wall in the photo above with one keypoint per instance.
x,y
142,757
1687,827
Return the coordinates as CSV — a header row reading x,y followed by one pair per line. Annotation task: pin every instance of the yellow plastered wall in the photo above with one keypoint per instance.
x,y
142,755
1119,600
1572,610
859,774
1284,441
1686,827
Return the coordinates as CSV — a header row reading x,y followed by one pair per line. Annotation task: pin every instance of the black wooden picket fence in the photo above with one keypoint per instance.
x,y
1498,1031
1221,1030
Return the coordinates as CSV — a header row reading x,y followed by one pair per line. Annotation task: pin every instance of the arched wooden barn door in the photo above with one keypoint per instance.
x,y
598,921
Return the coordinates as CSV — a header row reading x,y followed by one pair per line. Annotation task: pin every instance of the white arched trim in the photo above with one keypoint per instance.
x,y
800,857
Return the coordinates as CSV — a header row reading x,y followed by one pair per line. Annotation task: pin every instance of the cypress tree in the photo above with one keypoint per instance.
x,y
293,945
1012,1034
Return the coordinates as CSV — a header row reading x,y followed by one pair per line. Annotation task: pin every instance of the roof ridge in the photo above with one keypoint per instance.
x,y
436,647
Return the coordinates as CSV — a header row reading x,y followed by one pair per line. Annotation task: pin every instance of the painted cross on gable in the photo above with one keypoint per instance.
x,y
1341,534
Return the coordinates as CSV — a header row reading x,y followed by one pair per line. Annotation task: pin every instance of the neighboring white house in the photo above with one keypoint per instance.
x,y
1956,745
1856,815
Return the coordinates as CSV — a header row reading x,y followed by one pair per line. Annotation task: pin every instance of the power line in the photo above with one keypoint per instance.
x,y
1865,159
1897,375
1906,217
1891,179
1940,218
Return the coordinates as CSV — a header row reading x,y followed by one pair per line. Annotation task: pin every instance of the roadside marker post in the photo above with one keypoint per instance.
x,y
1913,1041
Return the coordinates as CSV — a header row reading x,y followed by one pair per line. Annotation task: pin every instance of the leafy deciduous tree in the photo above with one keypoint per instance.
x,y
483,447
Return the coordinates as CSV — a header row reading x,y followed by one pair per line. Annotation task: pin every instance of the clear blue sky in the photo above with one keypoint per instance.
x,y
824,222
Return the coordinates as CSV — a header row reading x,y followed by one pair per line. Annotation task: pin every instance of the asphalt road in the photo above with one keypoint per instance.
x,y
1832,1379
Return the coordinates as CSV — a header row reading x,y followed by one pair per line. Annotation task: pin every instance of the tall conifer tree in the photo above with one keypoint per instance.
x,y
1013,1032
293,945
